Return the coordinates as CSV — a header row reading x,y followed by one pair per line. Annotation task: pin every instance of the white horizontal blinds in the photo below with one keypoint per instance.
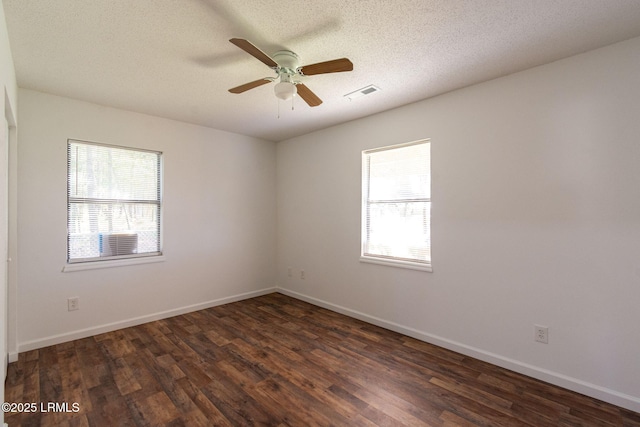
x,y
114,202
397,205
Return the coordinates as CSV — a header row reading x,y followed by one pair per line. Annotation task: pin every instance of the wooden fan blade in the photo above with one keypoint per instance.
x,y
245,87
308,96
335,66
248,47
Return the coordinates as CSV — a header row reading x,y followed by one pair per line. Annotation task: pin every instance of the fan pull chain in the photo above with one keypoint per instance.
x,y
292,105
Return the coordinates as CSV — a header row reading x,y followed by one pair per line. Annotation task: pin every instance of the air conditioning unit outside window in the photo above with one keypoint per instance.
x,y
118,244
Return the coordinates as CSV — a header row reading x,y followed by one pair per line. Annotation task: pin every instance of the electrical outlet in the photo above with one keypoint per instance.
x,y
302,274
289,272
541,334
73,303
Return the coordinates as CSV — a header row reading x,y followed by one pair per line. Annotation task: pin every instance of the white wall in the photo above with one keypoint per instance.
x,y
536,220
219,221
7,70
8,92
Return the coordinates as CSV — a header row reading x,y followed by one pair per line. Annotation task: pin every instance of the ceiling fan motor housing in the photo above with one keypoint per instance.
x,y
288,62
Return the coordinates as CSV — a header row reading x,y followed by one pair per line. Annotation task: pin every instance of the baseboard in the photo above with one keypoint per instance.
x,y
592,390
84,333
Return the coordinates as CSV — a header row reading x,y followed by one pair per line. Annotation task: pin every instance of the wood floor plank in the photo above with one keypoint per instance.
x,y
278,361
452,420
156,409
304,407
204,405
110,408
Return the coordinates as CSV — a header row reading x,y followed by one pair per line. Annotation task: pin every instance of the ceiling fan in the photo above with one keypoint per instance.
x,y
285,65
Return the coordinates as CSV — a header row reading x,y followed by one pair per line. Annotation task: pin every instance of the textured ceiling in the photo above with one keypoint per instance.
x,y
173,59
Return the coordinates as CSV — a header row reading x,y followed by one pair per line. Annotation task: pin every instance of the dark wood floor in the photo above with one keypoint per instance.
x,y
277,361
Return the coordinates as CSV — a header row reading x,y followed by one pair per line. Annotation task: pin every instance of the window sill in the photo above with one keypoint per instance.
x,y
94,265
399,264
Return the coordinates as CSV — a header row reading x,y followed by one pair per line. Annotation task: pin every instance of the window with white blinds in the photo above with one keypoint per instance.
x,y
113,202
396,205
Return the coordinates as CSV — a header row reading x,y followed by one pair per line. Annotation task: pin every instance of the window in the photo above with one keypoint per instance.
x,y
113,202
396,205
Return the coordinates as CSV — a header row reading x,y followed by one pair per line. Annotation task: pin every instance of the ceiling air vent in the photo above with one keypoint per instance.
x,y
367,90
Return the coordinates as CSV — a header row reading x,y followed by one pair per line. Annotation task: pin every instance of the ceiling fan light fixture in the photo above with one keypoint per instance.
x,y
285,90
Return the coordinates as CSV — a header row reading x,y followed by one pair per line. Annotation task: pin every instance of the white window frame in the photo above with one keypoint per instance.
x,y
76,264
366,202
